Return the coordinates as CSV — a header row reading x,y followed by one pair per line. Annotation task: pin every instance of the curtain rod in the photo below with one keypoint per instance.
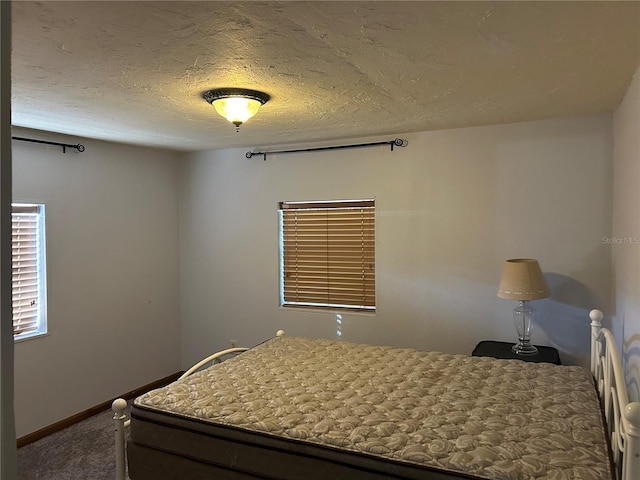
x,y
79,147
396,142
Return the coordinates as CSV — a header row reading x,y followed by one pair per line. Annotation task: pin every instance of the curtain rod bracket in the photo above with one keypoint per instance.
x,y
79,147
396,142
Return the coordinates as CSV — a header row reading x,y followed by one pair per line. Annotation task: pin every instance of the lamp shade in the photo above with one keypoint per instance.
x,y
522,279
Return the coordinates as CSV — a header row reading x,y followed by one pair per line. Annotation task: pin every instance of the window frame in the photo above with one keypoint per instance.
x,y
334,289
31,209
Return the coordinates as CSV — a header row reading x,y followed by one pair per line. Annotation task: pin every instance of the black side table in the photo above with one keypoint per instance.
x,y
490,348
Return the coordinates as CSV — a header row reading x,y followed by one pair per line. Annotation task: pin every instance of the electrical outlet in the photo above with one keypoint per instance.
x,y
234,343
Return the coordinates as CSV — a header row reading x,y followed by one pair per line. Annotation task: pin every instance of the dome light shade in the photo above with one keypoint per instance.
x,y
236,104
237,110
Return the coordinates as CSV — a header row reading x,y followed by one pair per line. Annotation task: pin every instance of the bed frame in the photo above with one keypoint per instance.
x,y
622,417
119,407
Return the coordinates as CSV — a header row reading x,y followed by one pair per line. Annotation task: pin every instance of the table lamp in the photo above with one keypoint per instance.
x,y
522,280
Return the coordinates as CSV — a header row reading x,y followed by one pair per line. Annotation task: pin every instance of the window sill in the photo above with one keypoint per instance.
x,y
30,336
327,311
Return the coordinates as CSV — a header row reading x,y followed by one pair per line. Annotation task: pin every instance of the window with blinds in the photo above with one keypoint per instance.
x,y
327,255
28,270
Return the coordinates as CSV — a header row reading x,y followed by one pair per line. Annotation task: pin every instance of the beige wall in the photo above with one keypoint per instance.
x,y
451,207
113,288
626,232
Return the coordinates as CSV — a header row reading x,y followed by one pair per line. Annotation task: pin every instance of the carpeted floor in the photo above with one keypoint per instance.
x,y
85,450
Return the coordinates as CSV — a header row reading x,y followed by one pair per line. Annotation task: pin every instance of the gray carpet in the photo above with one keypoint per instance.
x,y
85,450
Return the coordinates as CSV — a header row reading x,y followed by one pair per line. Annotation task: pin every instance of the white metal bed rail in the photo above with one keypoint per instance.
x,y
622,417
119,407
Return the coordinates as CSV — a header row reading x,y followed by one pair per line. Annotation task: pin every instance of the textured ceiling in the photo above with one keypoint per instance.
x,y
135,72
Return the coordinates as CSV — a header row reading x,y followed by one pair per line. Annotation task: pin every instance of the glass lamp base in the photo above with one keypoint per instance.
x,y
522,348
523,318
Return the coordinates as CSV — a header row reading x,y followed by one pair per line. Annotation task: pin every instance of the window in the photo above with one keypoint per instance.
x,y
327,254
28,268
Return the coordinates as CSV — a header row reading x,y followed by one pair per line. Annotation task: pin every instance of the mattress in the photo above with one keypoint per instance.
x,y
295,408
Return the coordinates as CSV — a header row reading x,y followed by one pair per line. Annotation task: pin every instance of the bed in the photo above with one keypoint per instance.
x,y
299,408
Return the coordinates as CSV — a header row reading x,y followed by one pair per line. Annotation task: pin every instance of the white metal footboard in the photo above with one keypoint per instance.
x,y
622,417
119,407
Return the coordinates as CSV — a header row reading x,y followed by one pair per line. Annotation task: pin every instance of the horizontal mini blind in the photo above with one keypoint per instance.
x,y
328,254
25,225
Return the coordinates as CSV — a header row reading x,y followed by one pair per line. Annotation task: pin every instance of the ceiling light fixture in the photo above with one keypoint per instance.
x,y
236,104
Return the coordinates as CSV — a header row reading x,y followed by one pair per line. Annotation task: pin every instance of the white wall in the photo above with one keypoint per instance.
x,y
451,207
112,270
626,227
